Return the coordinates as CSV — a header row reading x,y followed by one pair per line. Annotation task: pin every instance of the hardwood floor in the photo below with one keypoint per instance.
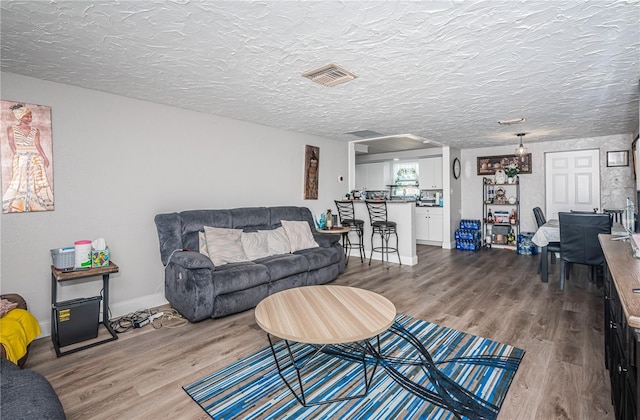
x,y
492,293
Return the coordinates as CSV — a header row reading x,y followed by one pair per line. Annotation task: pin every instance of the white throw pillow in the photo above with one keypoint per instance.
x,y
202,244
277,241
224,245
255,244
299,234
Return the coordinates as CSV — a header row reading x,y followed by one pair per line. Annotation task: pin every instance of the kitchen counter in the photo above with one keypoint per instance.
x,y
401,212
625,273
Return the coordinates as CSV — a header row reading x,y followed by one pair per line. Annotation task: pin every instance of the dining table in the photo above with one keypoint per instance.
x,y
550,232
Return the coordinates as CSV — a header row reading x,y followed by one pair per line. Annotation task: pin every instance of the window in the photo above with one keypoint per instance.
x,y
405,176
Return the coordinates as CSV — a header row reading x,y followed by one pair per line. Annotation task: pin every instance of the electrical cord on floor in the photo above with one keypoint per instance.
x,y
137,319
167,318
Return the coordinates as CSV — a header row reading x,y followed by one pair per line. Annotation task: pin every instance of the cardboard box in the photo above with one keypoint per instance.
x,y
99,257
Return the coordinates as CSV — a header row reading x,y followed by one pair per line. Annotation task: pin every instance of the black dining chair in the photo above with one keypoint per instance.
x,y
579,241
553,247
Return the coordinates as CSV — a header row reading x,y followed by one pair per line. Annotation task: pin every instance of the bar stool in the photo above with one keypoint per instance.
x,y
382,226
346,213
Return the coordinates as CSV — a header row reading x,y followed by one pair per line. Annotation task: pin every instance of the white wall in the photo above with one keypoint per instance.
x,y
119,161
616,183
452,189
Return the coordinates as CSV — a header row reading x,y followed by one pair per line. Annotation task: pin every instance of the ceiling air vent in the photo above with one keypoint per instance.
x,y
513,121
329,75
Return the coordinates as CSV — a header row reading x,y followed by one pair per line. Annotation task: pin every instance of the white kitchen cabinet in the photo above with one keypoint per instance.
x,y
373,176
361,177
429,224
430,174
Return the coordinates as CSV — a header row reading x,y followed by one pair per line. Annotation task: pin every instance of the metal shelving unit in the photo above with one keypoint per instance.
x,y
500,201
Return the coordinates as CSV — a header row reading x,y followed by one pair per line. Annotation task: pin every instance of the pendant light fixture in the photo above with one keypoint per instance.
x,y
521,150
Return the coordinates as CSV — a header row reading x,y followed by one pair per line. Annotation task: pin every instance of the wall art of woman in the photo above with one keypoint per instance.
x,y
29,188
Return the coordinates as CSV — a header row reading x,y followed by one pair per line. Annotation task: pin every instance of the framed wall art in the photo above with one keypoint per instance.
x,y
311,170
618,158
488,165
27,159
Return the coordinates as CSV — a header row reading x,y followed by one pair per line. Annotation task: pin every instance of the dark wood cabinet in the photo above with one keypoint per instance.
x,y
621,325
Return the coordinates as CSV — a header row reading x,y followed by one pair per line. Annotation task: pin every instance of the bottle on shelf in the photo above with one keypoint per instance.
x,y
512,217
489,216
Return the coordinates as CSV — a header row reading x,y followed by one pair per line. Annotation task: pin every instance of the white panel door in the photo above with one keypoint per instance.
x,y
572,181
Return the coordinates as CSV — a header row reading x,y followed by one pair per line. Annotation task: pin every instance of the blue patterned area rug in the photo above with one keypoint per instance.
x,y
417,370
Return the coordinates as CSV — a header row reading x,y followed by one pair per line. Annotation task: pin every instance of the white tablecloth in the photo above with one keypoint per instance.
x,y
550,232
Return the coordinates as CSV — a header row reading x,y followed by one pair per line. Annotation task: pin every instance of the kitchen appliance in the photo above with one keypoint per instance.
x,y
427,202
429,199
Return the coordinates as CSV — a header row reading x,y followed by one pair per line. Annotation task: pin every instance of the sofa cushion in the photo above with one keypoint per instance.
x,y
250,218
224,245
202,244
277,241
255,244
299,234
233,277
194,220
284,265
321,257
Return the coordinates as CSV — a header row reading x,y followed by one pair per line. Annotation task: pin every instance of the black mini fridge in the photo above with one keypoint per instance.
x,y
77,320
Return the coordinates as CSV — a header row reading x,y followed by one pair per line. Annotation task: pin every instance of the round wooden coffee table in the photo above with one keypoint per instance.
x,y
321,316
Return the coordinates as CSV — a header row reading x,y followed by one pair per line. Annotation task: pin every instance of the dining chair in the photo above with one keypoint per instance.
x,y
579,241
553,247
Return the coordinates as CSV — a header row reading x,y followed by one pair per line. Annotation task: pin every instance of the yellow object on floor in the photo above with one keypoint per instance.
x,y
18,328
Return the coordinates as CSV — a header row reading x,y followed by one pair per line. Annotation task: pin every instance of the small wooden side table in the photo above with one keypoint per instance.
x,y
60,276
346,243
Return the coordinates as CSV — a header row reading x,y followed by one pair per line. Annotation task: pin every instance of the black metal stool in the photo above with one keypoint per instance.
x,y
382,226
347,219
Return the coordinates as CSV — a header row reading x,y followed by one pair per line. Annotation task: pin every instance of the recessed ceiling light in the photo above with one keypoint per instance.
x,y
513,121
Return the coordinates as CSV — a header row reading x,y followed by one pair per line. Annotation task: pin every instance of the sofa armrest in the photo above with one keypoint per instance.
x,y
27,394
191,260
188,281
16,298
22,304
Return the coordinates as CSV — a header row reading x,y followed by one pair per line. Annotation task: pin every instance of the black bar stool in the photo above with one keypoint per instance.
x,y
382,226
346,213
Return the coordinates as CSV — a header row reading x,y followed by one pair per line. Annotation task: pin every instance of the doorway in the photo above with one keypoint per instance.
x,y
572,181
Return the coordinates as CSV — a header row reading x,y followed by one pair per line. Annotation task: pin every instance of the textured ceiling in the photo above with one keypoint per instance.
x,y
446,71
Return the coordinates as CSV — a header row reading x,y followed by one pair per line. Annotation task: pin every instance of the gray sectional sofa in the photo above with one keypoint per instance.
x,y
198,289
